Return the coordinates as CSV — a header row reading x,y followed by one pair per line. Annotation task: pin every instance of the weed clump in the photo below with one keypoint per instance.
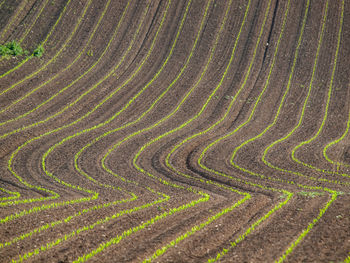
x,y
14,49
11,49
38,52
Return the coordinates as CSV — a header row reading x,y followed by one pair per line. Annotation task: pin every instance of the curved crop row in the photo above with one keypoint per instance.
x,y
17,67
52,79
27,255
187,131
55,131
13,18
143,148
29,29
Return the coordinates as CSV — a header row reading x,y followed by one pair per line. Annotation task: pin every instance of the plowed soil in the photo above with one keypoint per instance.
x,y
175,131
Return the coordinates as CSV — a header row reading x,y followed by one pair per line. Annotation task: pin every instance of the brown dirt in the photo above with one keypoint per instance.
x,y
156,128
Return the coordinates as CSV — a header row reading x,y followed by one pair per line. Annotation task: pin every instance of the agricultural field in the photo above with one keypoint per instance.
x,y
174,131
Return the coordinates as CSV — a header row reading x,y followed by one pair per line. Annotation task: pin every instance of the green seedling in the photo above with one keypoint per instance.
x,y
90,53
